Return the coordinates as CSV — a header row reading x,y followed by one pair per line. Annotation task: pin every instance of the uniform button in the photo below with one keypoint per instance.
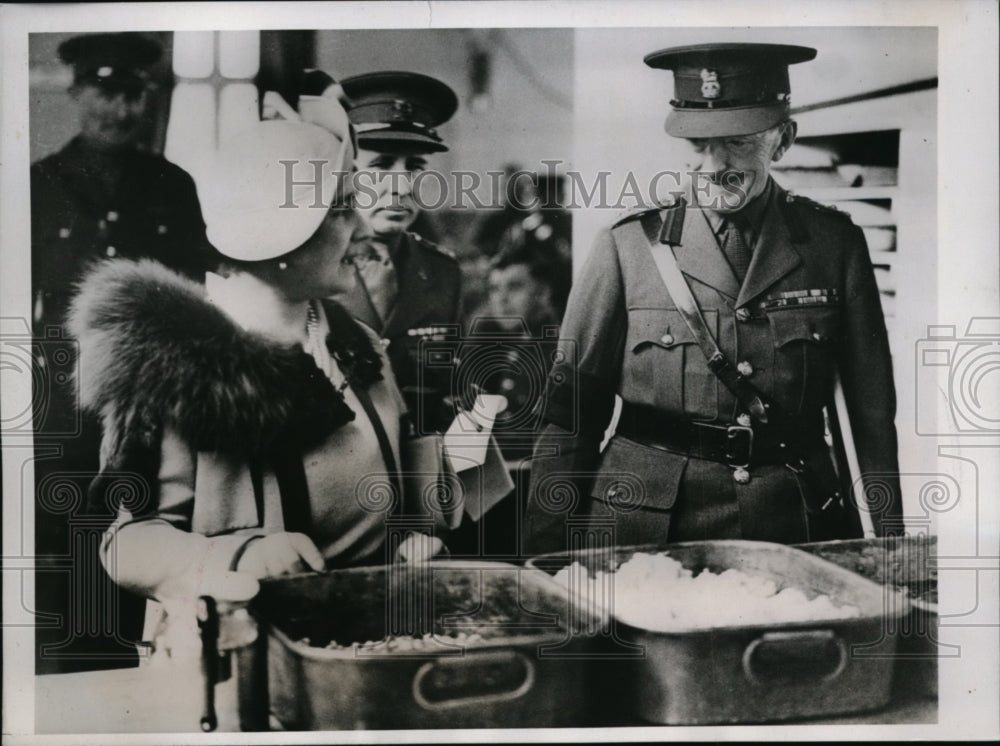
x,y
112,216
742,314
741,475
111,251
64,233
744,420
818,337
745,369
161,230
667,339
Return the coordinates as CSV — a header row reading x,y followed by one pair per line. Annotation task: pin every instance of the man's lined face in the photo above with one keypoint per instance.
x,y
732,170
385,190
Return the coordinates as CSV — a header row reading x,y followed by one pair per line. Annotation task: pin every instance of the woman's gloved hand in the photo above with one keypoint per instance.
x,y
421,547
280,554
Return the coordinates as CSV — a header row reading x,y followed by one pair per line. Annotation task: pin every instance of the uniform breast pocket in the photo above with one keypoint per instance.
x,y
804,360
664,365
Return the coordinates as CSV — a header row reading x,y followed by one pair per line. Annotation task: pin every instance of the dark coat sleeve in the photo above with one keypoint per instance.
x,y
865,367
578,401
190,250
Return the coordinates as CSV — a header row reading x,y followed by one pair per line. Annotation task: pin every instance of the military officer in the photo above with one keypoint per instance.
x,y
99,197
410,290
786,291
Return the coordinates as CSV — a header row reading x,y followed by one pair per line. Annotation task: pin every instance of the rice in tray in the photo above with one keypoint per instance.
x,y
657,593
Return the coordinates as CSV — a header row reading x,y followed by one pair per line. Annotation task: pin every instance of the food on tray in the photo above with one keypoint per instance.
x,y
395,644
658,593
477,630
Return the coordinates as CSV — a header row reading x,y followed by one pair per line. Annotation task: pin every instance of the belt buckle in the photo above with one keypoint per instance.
x,y
739,446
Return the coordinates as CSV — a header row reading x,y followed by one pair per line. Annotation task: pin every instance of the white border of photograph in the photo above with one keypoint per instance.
x,y
966,274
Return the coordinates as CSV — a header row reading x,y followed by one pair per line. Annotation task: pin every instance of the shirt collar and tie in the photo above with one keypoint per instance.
x,y
737,232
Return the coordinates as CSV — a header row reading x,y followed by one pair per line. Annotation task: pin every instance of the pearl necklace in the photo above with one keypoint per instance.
x,y
316,347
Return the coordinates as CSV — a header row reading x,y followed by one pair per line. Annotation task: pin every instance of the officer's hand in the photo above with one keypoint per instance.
x,y
421,547
279,554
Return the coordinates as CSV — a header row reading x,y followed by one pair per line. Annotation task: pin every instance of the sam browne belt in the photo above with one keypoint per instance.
x,y
735,445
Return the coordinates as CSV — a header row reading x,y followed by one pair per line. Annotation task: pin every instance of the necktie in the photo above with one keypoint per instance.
x,y
379,275
736,249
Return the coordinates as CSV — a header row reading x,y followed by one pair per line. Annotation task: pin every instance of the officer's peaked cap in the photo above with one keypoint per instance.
x,y
399,111
725,90
117,61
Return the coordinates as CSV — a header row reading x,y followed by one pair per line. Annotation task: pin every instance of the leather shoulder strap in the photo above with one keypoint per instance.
x,y
661,248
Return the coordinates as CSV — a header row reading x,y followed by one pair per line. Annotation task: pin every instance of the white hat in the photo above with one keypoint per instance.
x,y
270,187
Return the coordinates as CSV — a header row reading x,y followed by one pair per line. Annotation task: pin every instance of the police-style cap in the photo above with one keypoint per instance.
x,y
117,61
399,111
723,90
270,187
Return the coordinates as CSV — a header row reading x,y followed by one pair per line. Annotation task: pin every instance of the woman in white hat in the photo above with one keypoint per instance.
x,y
248,426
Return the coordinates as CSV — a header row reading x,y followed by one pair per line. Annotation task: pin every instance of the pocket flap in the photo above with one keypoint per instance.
x,y
816,325
664,328
633,475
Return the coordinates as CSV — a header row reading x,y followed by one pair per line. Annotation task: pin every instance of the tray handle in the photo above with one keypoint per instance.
x,y
476,678
795,657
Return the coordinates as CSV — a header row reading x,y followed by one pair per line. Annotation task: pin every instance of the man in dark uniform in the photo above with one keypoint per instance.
x,y
786,290
410,291
98,197
101,196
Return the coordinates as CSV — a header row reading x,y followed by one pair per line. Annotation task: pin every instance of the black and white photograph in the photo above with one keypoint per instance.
x,y
500,371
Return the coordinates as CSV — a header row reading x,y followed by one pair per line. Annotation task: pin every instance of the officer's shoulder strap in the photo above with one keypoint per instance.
x,y
799,209
798,199
662,222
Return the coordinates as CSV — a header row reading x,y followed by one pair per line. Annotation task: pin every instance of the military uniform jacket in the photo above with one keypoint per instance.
x,y
426,313
151,210
624,335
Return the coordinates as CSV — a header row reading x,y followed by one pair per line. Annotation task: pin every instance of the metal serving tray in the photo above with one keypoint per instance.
x,y
907,564
752,673
525,671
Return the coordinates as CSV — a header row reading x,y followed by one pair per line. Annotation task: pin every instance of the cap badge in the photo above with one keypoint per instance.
x,y
403,108
710,87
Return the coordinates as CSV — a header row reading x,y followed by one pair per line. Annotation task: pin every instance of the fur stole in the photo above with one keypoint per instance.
x,y
155,352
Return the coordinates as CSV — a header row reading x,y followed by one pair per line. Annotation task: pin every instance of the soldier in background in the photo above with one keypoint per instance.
x,y
100,196
509,347
410,290
540,232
